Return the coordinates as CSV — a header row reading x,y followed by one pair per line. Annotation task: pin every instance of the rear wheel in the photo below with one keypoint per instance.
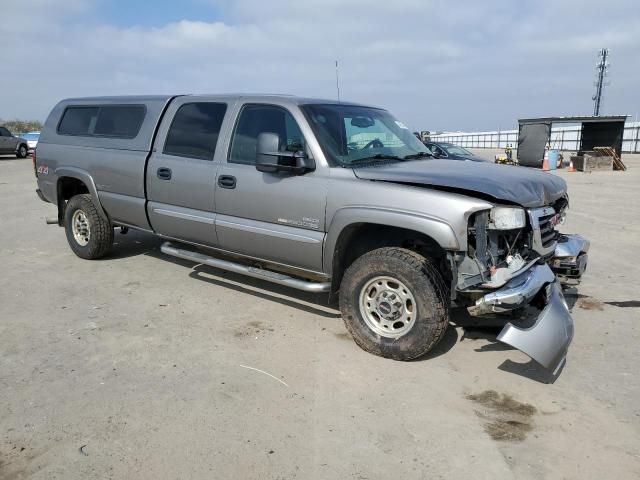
x,y
22,151
395,304
89,234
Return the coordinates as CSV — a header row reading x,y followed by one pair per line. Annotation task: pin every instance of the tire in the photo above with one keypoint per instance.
x,y
22,151
92,236
415,283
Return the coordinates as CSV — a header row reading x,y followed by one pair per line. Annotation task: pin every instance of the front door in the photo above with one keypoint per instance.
x,y
273,216
181,172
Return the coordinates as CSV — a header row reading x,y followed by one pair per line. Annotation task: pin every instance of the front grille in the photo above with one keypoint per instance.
x,y
543,230
548,234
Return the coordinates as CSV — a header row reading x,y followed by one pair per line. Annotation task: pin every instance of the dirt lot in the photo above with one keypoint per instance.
x,y
144,366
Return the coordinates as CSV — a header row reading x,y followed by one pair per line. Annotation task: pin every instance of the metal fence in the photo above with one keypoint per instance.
x,y
562,138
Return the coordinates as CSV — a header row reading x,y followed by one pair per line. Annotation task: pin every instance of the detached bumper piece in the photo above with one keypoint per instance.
x,y
548,339
570,258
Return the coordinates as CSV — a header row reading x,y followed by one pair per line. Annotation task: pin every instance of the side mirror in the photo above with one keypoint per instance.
x,y
270,160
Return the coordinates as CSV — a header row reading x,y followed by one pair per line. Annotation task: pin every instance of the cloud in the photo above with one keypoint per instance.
x,y
435,64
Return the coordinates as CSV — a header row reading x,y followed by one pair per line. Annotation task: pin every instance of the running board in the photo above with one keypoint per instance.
x,y
268,275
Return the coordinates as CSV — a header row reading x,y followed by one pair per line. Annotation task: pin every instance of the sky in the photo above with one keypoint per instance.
x,y
437,65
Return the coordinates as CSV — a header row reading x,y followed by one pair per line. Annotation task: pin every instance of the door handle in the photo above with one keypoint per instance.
x,y
164,173
227,181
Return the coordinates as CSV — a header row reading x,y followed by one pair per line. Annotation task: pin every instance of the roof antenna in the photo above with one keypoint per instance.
x,y
337,81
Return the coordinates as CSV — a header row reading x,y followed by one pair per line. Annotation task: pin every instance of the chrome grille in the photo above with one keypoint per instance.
x,y
543,229
547,230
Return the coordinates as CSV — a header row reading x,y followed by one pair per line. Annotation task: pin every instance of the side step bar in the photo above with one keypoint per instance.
x,y
268,275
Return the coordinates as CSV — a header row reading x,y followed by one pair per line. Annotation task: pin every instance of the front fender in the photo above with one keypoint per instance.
x,y
436,228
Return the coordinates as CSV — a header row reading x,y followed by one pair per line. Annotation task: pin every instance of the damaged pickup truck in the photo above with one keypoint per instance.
x,y
321,196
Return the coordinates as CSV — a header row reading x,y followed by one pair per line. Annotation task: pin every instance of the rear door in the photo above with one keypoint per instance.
x,y
272,216
182,170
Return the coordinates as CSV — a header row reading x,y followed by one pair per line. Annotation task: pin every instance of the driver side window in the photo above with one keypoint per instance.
x,y
255,119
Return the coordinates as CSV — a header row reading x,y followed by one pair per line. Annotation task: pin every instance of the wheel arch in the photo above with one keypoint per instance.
x,y
73,181
354,232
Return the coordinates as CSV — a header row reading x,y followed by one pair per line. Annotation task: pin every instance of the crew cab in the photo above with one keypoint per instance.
x,y
321,196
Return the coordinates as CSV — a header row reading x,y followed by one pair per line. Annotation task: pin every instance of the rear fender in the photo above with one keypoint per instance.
x,y
85,178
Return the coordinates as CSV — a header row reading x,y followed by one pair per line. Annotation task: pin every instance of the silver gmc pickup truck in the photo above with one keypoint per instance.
x,y
321,196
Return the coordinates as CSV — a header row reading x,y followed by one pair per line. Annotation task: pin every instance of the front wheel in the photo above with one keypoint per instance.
x,y
22,151
89,234
394,303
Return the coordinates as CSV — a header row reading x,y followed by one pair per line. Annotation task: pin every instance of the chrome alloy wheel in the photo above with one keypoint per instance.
x,y
387,307
80,228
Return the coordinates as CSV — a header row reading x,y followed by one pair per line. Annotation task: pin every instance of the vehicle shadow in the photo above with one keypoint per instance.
x,y
132,244
447,342
531,370
486,329
315,303
140,243
136,243
572,296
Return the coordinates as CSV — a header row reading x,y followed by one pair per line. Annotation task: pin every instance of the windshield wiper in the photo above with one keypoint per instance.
x,y
377,156
417,155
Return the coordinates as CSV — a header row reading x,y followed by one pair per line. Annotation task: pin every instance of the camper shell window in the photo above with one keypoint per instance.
x,y
117,121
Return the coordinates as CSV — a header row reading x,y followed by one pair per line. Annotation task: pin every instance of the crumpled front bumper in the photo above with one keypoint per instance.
x,y
548,339
570,258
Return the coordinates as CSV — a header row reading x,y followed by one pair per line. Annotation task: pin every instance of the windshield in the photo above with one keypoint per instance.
x,y
456,150
352,134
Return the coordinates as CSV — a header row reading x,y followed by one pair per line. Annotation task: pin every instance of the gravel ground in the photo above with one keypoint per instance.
x,y
145,366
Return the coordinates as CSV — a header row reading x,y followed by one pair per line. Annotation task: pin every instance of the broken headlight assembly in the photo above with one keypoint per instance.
x,y
497,247
507,218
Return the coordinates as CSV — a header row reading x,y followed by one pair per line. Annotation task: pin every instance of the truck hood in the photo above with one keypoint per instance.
x,y
520,185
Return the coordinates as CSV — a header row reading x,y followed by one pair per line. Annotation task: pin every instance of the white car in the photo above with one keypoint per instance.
x,y
32,140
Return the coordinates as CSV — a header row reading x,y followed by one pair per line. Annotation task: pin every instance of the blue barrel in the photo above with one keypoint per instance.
x,y
553,159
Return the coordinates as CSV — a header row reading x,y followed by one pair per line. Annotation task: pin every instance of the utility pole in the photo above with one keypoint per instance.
x,y
601,72
337,81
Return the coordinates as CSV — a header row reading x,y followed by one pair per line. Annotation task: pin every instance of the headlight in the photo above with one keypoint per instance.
x,y
507,218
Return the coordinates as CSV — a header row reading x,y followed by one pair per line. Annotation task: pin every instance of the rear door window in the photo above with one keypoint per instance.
x,y
195,129
119,121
